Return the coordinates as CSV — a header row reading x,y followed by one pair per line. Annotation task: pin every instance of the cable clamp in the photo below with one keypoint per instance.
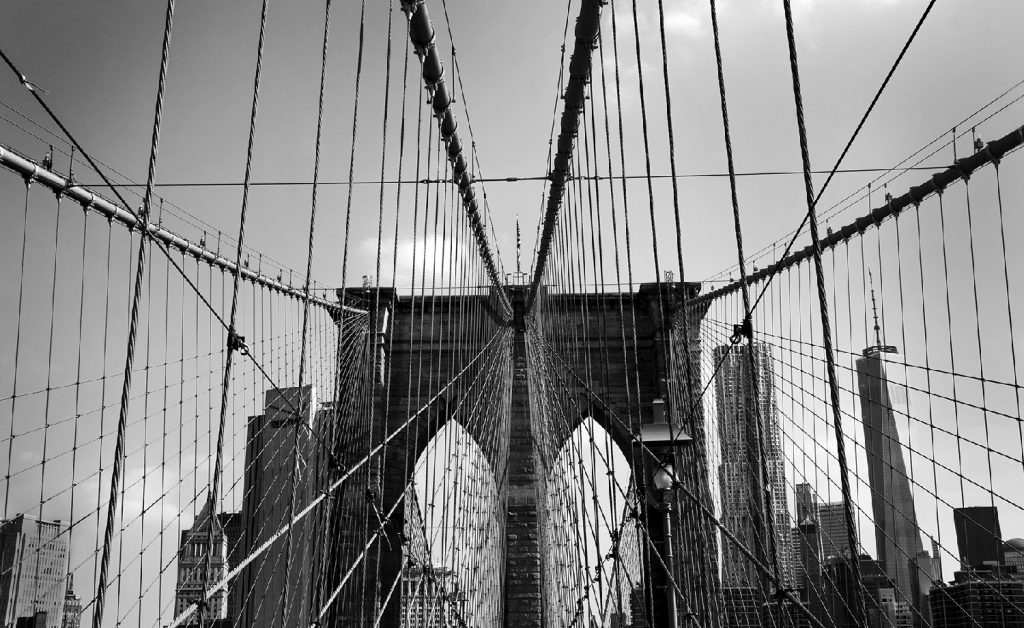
x,y
236,342
964,173
68,184
742,330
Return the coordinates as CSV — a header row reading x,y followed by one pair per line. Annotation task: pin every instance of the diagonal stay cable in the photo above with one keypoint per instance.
x,y
849,143
147,232
325,493
704,510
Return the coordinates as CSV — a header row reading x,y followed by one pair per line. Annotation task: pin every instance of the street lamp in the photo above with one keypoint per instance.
x,y
663,440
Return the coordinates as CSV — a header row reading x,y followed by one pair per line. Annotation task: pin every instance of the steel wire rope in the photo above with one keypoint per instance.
x,y
603,322
987,448
643,525
378,330
132,327
423,276
765,499
813,201
826,332
562,414
628,242
704,509
457,71
1009,307
139,221
438,214
382,525
334,485
793,442
876,493
394,270
836,209
613,553
232,337
598,268
199,223
17,347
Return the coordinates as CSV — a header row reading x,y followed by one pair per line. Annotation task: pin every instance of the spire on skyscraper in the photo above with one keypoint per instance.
x,y
874,310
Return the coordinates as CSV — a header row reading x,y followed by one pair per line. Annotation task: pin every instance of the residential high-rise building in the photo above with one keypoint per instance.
x,y
72,606
737,429
978,537
882,399
33,568
832,528
275,441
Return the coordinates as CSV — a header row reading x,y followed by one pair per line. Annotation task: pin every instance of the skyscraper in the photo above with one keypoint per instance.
x,y
275,441
882,397
193,551
978,537
806,503
807,548
832,528
806,543
737,420
72,606
33,567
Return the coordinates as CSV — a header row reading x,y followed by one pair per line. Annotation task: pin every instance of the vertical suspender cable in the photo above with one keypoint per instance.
x,y
234,341
299,421
826,327
133,327
765,499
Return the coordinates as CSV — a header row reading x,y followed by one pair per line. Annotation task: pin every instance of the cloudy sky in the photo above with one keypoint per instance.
x,y
99,62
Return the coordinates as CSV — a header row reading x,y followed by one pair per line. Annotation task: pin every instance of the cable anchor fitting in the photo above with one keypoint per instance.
x,y
742,330
236,342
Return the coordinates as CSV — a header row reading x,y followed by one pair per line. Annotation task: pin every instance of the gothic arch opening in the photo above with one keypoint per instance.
x,y
589,525
453,556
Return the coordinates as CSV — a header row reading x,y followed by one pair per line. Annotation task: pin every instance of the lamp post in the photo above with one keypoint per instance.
x,y
663,440
664,481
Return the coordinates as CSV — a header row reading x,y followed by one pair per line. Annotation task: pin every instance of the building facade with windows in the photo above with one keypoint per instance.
x,y
738,409
33,570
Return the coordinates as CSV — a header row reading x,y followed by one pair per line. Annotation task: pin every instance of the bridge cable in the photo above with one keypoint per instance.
x,y
860,612
853,137
133,326
758,462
